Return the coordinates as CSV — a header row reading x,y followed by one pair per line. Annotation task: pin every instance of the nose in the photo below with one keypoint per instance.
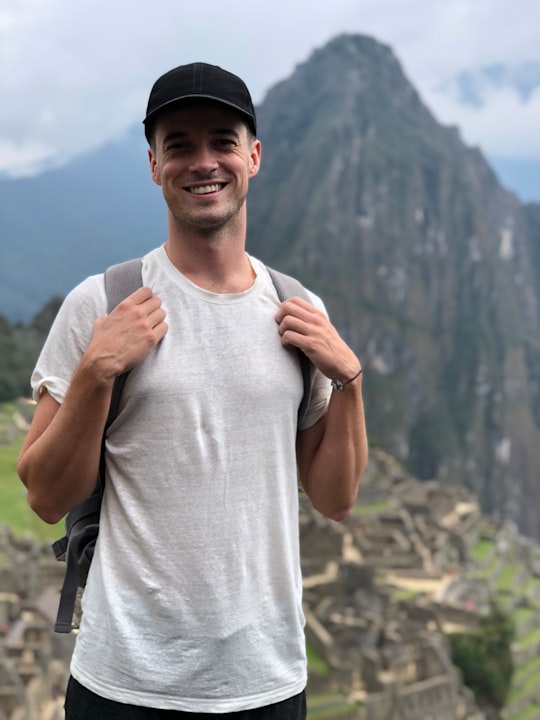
x,y
204,160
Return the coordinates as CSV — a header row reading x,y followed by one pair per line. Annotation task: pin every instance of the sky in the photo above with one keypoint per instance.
x,y
75,74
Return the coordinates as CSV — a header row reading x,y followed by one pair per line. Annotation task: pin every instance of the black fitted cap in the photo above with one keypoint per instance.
x,y
200,81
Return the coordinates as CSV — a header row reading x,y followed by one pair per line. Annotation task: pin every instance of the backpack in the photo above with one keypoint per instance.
x,y
76,548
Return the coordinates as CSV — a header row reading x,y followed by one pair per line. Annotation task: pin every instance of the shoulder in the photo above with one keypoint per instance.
x,y
287,285
87,297
80,308
68,338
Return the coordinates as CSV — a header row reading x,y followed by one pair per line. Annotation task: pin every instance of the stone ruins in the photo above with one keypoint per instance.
x,y
381,590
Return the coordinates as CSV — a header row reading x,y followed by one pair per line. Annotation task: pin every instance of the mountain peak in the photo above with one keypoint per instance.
x,y
353,84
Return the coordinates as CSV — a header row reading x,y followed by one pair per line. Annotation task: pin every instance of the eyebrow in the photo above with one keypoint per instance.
x,y
180,134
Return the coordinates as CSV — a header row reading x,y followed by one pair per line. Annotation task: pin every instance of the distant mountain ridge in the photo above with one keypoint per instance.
x,y
429,268
74,221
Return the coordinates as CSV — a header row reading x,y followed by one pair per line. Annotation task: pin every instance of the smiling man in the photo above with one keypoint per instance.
x,y
193,605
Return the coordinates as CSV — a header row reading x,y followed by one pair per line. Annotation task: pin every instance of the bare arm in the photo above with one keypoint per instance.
x,y
59,460
332,454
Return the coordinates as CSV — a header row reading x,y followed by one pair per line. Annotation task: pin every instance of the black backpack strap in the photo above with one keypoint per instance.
x,y
286,287
82,523
82,526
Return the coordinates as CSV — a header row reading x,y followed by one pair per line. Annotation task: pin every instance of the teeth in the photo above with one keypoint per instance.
x,y
204,189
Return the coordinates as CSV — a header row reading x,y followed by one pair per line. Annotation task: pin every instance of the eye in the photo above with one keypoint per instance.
x,y
176,146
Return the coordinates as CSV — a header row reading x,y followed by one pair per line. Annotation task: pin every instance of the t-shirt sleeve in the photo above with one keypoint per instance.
x,y
68,338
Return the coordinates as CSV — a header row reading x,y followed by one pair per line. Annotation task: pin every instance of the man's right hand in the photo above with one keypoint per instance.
x,y
121,339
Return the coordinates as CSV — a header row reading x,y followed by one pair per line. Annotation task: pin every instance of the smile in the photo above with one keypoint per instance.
x,y
206,189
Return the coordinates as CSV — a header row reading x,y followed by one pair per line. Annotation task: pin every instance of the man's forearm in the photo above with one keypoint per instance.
x,y
60,458
332,476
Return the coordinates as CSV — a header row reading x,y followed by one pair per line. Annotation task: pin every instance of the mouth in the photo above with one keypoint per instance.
x,y
205,189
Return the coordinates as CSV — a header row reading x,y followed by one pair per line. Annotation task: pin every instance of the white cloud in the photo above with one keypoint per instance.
x,y
75,74
504,125
29,158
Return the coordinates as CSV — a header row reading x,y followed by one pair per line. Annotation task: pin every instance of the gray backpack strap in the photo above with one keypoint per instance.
x,y
121,280
287,287
82,523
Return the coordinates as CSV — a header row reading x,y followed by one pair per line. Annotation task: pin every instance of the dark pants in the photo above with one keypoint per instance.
x,y
82,704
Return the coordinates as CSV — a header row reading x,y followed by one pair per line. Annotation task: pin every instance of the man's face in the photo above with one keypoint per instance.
x,y
203,157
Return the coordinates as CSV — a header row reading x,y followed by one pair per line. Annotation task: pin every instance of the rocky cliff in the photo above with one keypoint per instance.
x,y
427,265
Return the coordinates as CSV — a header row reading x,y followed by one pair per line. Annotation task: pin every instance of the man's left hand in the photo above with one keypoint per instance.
x,y
304,326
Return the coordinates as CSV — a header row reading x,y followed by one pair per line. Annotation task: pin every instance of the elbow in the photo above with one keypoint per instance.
x,y
43,509
333,511
41,504
340,513
40,501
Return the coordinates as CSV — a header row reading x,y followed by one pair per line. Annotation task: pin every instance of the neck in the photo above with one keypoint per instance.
x,y
216,261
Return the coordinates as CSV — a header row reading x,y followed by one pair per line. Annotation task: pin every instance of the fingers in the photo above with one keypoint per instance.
x,y
142,299
156,317
126,335
142,307
145,313
304,326
296,307
298,321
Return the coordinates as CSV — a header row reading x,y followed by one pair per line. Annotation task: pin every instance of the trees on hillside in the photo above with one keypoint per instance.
x,y
19,348
484,657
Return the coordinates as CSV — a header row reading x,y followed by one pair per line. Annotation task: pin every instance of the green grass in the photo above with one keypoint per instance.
x,y
506,580
532,712
528,687
371,509
506,601
488,569
15,510
482,550
328,707
522,615
403,593
531,586
316,662
532,666
532,638
523,689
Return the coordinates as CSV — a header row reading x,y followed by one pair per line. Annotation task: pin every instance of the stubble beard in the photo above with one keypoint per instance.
x,y
203,222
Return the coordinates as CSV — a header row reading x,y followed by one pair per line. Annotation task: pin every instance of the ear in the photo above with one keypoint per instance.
x,y
154,169
255,158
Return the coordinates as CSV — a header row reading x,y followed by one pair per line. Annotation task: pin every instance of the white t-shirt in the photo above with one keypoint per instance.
x,y
193,600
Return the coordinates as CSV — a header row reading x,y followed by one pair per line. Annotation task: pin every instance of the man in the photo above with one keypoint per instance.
x,y
193,602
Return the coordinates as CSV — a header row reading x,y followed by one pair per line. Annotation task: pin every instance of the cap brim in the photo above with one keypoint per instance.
x,y
246,115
